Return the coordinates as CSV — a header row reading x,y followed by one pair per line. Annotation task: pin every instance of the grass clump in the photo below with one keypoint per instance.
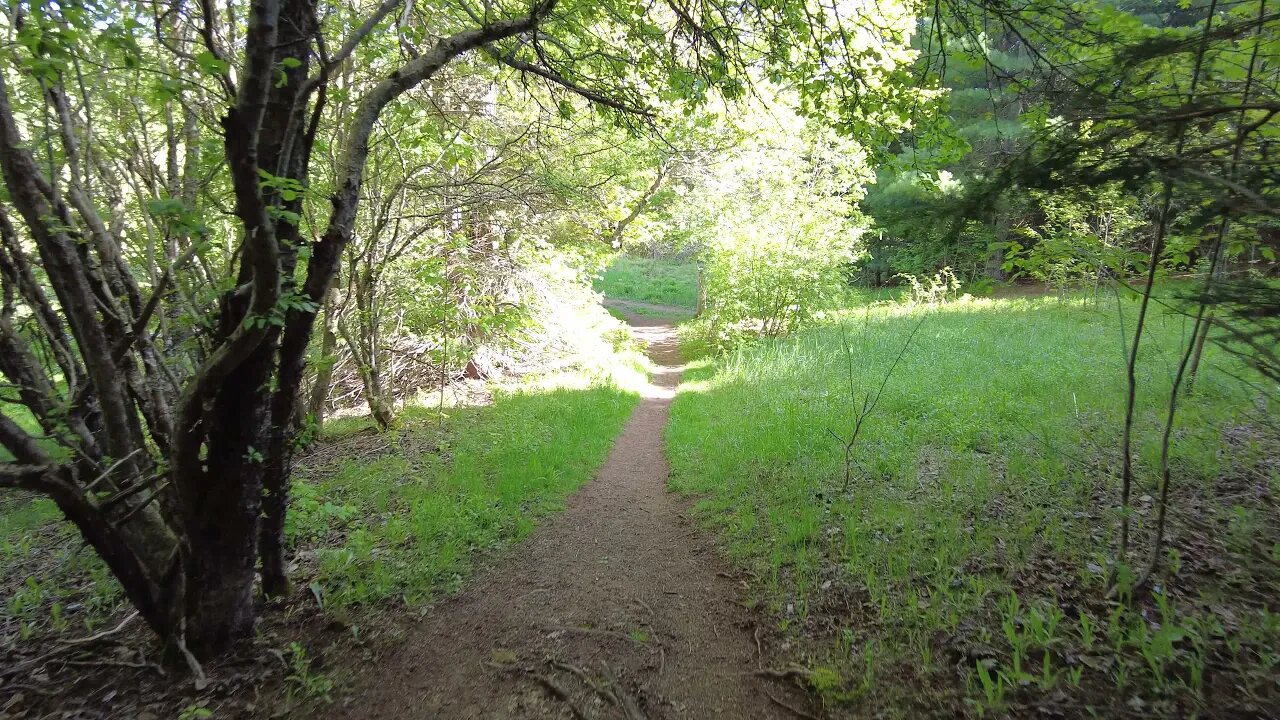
x,y
661,282
962,572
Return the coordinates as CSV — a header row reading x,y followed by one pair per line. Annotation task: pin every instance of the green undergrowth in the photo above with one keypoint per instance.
x,y
48,581
403,515
376,518
662,282
961,571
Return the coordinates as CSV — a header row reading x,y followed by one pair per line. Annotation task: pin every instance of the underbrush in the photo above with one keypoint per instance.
x,y
961,571
662,282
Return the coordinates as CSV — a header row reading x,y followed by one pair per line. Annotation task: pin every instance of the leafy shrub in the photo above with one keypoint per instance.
x,y
785,236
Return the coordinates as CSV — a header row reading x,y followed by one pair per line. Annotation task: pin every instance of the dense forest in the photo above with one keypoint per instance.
x,y
338,341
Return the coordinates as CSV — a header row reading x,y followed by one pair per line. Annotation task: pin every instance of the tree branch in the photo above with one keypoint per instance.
x,y
511,61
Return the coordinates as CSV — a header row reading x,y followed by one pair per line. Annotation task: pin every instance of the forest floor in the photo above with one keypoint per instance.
x,y
619,607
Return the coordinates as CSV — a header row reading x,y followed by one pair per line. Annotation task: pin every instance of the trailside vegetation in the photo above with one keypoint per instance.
x,y
227,226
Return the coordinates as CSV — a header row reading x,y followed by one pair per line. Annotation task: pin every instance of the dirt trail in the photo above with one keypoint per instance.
x,y
618,608
634,309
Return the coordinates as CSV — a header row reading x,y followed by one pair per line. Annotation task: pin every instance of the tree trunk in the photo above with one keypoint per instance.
x,y
702,290
232,434
324,373
222,518
284,146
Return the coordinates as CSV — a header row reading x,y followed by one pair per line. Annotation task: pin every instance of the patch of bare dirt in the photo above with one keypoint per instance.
x,y
618,608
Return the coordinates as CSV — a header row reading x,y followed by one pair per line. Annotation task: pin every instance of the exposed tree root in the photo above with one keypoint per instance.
x,y
791,673
791,708
602,690
117,663
558,693
595,631
611,690
630,708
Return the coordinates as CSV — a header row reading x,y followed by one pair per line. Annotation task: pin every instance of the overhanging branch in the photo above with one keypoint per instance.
x,y
511,61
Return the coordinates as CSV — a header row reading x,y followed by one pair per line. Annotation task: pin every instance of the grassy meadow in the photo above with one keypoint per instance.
x,y
961,570
661,282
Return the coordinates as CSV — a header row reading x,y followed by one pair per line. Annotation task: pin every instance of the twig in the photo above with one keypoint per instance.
x,y
33,689
77,642
105,633
869,401
126,493
145,502
106,473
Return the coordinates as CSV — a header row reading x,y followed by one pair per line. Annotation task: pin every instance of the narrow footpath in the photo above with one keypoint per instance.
x,y
618,608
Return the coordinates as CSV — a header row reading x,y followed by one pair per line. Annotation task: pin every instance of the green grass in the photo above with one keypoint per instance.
x,y
661,282
376,518
391,517
48,581
961,571
406,515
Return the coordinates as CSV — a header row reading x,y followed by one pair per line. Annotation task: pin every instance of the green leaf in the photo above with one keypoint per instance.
x,y
211,64
168,89
165,207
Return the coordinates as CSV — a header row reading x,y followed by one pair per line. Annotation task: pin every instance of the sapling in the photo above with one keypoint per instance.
x,y
1126,442
868,403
